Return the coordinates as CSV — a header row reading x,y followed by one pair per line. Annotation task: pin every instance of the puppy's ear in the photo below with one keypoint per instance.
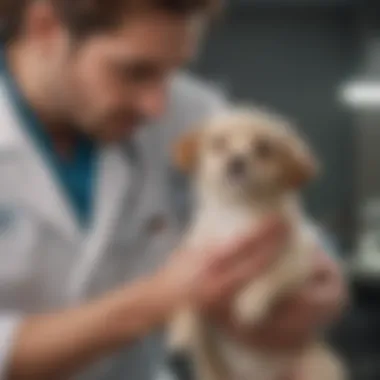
x,y
301,166
185,152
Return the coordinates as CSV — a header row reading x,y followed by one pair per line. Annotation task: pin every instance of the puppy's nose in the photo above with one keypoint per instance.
x,y
236,166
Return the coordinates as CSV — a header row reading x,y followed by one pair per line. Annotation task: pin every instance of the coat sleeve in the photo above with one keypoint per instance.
x,y
9,324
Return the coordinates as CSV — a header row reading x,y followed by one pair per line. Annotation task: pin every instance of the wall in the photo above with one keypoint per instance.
x,y
293,59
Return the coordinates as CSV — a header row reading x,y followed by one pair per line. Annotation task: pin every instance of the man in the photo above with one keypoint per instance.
x,y
85,218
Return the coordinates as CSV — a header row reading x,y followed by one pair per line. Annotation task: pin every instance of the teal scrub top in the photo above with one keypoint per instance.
x,y
75,175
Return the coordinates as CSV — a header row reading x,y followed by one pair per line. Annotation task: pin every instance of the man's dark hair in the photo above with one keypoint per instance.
x,y
84,17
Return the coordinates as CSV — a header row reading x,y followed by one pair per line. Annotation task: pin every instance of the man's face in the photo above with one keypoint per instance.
x,y
110,83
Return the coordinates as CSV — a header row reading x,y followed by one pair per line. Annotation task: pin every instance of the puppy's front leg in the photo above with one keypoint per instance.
x,y
180,332
210,363
254,303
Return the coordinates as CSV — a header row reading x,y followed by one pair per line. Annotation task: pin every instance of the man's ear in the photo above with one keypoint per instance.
x,y
301,165
185,152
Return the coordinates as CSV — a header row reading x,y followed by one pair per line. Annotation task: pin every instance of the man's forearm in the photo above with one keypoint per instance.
x,y
57,345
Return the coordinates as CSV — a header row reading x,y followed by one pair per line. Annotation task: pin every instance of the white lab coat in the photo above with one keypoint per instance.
x,y
46,263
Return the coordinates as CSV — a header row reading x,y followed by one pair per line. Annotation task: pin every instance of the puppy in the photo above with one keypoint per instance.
x,y
247,164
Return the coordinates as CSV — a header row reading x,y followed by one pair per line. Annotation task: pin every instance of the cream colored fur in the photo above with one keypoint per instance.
x,y
226,208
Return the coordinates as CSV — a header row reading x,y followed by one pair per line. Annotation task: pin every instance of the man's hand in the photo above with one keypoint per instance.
x,y
296,320
207,278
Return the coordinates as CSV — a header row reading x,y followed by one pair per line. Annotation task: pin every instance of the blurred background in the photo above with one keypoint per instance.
x,y
318,62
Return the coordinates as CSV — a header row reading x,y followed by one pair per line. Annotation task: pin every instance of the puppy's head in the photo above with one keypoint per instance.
x,y
248,152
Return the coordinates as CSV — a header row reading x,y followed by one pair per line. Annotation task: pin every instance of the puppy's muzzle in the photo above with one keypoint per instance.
x,y
236,167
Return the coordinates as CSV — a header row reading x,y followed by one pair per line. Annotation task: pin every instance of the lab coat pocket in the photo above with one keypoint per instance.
x,y
137,248
156,242
18,237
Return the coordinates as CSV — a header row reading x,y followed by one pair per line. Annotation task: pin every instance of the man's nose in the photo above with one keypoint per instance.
x,y
153,101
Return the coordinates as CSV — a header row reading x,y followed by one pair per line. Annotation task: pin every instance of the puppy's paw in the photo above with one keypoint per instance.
x,y
177,343
250,308
180,331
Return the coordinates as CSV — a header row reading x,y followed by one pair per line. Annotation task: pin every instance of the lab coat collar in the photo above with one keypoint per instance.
x,y
44,195
113,189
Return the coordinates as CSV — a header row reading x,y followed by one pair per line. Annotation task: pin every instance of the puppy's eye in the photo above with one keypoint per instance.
x,y
219,144
263,149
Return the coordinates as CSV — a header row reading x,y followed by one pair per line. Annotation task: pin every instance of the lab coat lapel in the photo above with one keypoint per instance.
x,y
114,186
43,194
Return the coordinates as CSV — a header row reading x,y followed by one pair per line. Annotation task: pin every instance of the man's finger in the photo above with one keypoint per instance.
x,y
241,273
252,244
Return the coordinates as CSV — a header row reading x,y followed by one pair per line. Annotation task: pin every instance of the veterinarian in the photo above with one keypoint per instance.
x,y
87,216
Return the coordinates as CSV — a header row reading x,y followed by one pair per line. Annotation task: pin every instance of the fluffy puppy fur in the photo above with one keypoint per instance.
x,y
247,164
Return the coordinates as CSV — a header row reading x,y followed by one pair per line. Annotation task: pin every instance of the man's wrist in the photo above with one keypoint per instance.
x,y
138,308
65,342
